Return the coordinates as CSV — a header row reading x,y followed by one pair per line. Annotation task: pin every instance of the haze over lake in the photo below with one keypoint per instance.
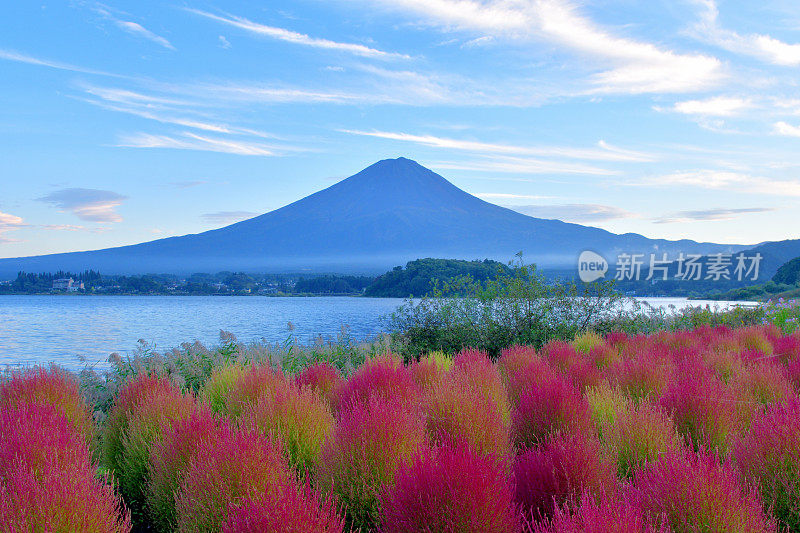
x,y
62,329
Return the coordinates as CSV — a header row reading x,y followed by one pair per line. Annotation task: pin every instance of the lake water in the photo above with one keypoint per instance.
x,y
62,329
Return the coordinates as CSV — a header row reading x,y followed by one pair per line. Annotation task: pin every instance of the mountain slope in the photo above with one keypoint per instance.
x,y
391,212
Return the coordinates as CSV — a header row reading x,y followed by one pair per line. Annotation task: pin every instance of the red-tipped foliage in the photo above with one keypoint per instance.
x,y
452,488
54,387
787,348
386,377
426,372
514,359
290,509
169,458
299,417
225,471
560,354
694,492
47,482
372,440
599,513
457,411
555,405
642,376
255,382
704,409
559,471
479,371
146,423
323,377
134,392
770,456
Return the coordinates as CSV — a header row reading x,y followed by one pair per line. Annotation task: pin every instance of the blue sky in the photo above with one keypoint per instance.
x,y
123,122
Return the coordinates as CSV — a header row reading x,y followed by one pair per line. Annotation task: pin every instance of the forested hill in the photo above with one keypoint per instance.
x,y
419,277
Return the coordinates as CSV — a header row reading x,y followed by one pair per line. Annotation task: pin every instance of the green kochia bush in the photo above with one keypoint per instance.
x,y
144,408
169,459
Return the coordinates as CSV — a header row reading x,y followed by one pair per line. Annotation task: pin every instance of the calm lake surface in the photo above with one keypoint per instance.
x,y
64,329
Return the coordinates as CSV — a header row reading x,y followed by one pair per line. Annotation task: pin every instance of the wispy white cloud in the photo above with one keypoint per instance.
x,y
761,46
283,34
728,181
604,152
709,215
94,205
574,212
224,43
191,141
64,227
133,28
12,55
719,106
633,66
227,217
9,222
523,165
783,128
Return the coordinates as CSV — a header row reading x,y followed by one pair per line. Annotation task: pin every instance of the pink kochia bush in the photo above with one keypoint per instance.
x,y
479,371
292,509
55,387
559,471
371,441
695,492
322,377
451,488
385,376
224,472
169,459
600,513
553,405
770,456
705,410
47,481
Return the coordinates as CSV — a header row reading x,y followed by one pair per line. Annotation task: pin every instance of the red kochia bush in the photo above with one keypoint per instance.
x,y
559,471
479,371
47,481
371,441
323,377
555,405
385,376
54,387
452,488
770,456
705,409
599,513
291,509
694,492
531,376
225,471
169,458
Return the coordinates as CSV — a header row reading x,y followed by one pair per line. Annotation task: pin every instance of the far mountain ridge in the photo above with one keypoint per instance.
x,y
391,212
